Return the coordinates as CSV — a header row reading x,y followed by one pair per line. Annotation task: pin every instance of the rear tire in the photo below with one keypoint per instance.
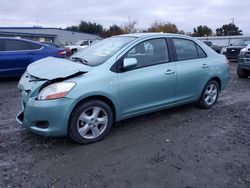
x,y
242,73
90,122
209,95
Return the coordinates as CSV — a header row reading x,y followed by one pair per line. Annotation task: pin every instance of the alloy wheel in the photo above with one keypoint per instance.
x,y
211,94
92,122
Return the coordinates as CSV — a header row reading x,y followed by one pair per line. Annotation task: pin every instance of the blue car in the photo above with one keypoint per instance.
x,y
17,54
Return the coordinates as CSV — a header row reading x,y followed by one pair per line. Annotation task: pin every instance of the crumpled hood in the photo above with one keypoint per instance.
x,y
51,68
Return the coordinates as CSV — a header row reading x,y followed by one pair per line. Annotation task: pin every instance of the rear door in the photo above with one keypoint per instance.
x,y
192,67
16,55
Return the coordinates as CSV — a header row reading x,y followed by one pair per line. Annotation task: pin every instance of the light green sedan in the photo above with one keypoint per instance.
x,y
118,78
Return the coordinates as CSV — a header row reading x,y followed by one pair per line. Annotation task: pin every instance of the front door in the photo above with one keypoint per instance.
x,y
151,84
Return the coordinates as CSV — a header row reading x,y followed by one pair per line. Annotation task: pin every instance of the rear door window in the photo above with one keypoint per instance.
x,y
15,45
185,49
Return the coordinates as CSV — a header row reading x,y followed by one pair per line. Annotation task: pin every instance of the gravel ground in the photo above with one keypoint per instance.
x,y
182,147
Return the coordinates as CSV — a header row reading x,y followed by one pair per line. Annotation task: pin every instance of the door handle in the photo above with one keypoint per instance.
x,y
205,65
169,71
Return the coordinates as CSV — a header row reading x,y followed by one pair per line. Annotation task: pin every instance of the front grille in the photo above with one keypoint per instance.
x,y
233,51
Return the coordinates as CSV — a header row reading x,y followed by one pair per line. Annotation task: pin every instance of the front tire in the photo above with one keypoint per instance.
x,y
90,122
242,73
209,95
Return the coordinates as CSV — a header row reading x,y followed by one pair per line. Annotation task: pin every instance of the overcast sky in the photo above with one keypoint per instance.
x,y
186,14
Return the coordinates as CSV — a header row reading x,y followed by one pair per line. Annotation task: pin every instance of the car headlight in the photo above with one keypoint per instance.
x,y
242,52
223,50
56,90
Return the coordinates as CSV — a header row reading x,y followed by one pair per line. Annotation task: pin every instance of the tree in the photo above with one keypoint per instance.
x,y
87,27
163,27
181,32
113,30
130,26
72,28
228,30
202,30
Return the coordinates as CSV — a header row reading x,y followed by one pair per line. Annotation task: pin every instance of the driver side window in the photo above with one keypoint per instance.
x,y
150,52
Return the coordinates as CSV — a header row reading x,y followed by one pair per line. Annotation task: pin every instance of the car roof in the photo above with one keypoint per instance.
x,y
13,38
140,35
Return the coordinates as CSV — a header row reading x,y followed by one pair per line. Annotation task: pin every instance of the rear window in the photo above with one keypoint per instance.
x,y
35,46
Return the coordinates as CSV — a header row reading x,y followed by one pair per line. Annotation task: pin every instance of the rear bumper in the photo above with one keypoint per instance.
x,y
55,113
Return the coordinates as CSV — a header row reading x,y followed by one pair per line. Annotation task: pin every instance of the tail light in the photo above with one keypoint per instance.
x,y
61,53
68,52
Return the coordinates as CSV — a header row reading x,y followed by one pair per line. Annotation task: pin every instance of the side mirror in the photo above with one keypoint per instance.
x,y
129,63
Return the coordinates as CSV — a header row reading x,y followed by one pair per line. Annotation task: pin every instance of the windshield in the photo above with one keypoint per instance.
x,y
241,43
101,51
78,43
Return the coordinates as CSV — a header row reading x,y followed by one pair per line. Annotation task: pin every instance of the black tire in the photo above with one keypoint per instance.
x,y
203,103
242,73
74,121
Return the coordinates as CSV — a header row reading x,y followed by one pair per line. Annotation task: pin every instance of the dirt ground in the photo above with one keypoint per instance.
x,y
182,147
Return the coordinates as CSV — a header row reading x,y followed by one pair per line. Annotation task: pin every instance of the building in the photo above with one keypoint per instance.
x,y
55,35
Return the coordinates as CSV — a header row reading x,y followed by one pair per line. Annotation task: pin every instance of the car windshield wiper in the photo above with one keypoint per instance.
x,y
81,60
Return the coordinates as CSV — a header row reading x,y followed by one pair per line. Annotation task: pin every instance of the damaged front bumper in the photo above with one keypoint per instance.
x,y
44,117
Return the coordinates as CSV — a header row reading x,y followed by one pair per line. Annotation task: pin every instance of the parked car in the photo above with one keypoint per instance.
x,y
80,45
67,50
243,69
233,51
118,78
214,47
17,54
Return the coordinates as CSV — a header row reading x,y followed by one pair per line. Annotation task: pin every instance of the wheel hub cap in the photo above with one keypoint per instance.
x,y
211,94
92,122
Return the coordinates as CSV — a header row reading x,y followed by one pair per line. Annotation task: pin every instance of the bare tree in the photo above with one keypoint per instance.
x,y
130,26
158,26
